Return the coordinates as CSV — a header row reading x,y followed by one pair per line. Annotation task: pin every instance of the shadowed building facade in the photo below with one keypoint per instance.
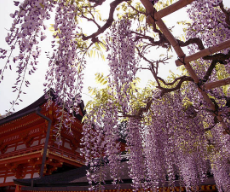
x,y
24,150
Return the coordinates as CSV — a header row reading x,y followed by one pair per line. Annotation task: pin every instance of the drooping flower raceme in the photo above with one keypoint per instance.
x,y
209,24
122,60
135,153
23,38
174,145
101,145
65,74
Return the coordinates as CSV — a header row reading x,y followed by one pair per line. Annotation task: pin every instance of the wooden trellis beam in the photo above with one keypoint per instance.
x,y
151,20
174,44
172,8
177,49
166,11
205,52
215,84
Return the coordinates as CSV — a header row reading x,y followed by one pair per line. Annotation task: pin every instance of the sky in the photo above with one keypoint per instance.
x,y
94,65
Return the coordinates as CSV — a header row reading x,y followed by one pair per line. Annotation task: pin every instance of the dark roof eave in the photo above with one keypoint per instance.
x,y
33,107
25,111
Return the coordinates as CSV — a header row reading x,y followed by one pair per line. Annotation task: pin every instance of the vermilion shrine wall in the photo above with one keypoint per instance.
x,y
21,147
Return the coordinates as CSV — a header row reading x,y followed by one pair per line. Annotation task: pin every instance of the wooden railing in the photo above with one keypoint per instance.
x,y
75,156
22,151
64,153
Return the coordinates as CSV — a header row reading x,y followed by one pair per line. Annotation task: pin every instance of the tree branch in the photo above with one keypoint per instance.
x,y
163,41
108,23
145,109
227,13
210,69
98,26
218,56
192,41
178,86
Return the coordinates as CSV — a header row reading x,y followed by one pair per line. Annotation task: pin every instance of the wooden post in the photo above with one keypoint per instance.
x,y
148,6
205,52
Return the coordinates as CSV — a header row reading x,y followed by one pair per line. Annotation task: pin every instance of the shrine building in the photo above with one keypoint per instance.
x,y
28,147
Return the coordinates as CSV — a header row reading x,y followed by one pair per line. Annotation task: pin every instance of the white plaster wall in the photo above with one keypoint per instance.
x,y
67,145
1,179
42,141
10,179
10,149
35,175
27,176
23,146
34,143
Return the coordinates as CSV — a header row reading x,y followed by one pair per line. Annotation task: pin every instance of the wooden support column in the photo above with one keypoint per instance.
x,y
18,188
19,172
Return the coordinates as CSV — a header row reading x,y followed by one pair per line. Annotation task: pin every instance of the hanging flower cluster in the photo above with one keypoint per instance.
x,y
174,145
165,146
122,60
135,155
24,35
101,146
219,158
166,143
65,74
209,24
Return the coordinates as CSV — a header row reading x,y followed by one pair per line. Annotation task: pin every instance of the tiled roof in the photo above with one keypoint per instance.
x,y
32,108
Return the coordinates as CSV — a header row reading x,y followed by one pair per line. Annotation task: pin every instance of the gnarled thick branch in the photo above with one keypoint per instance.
x,y
192,41
210,69
178,86
145,109
162,42
108,23
141,110
217,58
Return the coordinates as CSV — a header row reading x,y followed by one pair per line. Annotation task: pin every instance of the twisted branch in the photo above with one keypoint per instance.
x,y
196,41
108,23
227,13
181,79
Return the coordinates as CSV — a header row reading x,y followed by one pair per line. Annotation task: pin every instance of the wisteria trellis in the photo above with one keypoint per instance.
x,y
165,138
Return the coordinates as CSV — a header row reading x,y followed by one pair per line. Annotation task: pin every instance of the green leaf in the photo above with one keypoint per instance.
x,y
42,5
